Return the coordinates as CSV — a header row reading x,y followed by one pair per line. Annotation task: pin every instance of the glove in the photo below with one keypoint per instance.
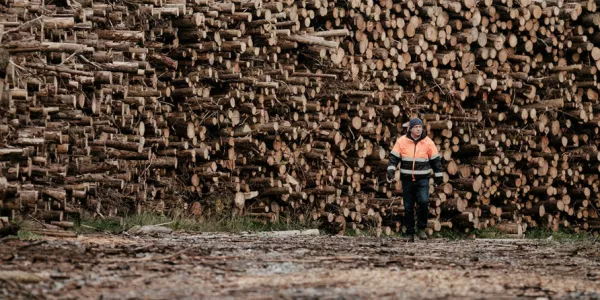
x,y
438,181
390,177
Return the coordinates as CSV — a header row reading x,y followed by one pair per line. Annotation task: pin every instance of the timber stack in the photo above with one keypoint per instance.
x,y
289,108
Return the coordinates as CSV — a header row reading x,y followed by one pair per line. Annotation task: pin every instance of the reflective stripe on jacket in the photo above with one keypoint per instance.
x,y
417,158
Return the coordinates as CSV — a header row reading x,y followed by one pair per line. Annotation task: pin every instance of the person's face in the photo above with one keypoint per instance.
x,y
416,130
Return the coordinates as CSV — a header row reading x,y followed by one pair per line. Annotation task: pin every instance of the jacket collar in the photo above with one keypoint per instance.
x,y
423,135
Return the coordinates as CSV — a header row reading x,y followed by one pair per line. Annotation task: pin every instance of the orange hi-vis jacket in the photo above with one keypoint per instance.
x,y
416,157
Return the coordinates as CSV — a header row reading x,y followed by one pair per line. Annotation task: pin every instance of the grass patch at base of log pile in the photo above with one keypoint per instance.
x,y
19,231
365,233
561,235
452,235
183,223
488,233
26,235
238,224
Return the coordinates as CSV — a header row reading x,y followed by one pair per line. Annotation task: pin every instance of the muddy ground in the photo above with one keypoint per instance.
x,y
259,266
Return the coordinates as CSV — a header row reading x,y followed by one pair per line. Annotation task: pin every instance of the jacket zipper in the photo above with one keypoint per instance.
x,y
414,160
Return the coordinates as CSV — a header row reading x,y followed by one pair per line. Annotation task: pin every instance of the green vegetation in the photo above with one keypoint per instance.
x,y
451,235
187,224
89,225
561,235
27,235
369,232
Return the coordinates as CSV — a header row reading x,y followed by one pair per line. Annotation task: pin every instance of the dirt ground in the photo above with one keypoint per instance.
x,y
265,266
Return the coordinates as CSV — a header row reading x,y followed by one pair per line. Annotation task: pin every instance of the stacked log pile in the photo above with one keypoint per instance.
x,y
288,109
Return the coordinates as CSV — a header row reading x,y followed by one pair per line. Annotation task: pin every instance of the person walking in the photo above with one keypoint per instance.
x,y
418,156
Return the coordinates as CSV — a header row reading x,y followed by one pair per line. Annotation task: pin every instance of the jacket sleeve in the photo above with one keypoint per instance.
x,y
435,160
395,157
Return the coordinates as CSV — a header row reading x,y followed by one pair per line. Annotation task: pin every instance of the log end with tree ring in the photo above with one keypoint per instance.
x,y
343,144
477,184
395,110
411,27
195,180
430,33
434,72
338,56
80,100
468,63
452,167
141,130
239,200
94,106
190,130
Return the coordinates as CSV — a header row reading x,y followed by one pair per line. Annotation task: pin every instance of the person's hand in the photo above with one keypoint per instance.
x,y
438,181
390,177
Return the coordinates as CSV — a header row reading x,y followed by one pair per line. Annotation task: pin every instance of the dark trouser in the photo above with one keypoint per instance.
x,y
415,191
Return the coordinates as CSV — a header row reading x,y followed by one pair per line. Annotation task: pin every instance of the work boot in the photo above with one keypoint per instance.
x,y
411,238
422,235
